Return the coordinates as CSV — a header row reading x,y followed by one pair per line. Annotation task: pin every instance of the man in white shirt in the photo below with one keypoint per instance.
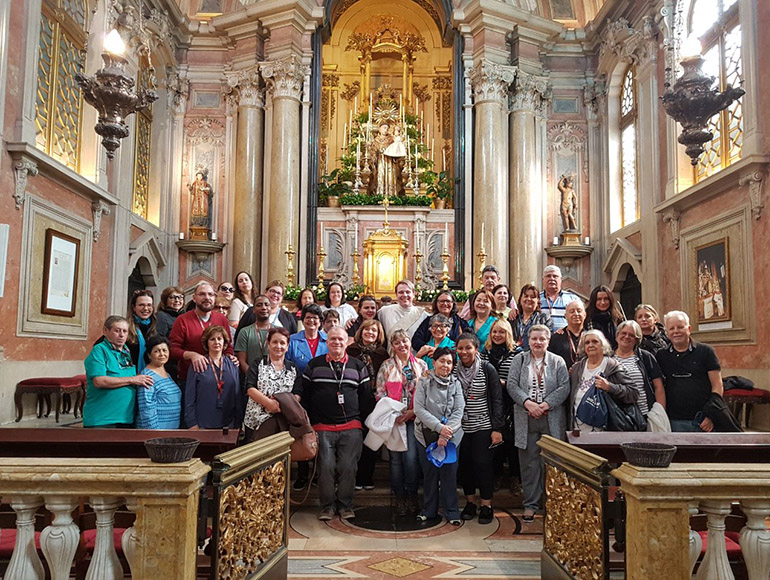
x,y
403,315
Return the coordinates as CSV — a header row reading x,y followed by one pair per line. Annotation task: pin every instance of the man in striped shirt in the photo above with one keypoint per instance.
x,y
553,299
333,389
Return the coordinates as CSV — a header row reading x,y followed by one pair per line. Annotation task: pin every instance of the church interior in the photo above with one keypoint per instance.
x,y
157,143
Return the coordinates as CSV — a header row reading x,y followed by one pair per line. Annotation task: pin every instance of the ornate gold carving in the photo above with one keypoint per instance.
x,y
424,4
350,91
421,92
142,160
388,35
572,531
330,83
251,521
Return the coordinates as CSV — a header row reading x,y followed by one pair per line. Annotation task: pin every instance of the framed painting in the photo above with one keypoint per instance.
x,y
60,273
713,281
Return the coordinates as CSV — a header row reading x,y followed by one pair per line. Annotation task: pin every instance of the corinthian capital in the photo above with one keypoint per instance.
x,y
530,93
490,81
244,88
285,76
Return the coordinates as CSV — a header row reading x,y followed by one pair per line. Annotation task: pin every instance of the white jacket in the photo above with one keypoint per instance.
x,y
383,428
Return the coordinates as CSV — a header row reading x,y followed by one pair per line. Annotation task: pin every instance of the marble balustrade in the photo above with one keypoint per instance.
x,y
164,497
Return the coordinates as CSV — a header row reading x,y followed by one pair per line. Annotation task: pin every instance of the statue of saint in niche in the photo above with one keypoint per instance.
x,y
200,202
569,203
387,153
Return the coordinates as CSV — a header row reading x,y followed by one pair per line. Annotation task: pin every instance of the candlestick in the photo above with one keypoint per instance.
x,y
482,255
290,265
356,276
445,269
418,268
321,257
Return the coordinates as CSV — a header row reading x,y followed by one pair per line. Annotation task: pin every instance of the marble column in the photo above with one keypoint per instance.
x,y
284,77
525,206
490,188
248,96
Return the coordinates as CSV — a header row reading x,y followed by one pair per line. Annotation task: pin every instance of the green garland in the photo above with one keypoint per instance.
x,y
375,199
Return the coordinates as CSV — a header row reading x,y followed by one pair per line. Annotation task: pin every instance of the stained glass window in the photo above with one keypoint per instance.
x,y
143,149
715,23
58,101
630,199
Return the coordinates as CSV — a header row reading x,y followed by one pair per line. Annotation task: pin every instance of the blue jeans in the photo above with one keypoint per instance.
x,y
405,466
684,426
338,453
439,485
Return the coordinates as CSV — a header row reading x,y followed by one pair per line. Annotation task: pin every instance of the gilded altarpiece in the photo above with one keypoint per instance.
x,y
388,61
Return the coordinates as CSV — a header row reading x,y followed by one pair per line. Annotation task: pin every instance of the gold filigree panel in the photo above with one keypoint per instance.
x,y
44,78
572,531
143,155
251,521
65,135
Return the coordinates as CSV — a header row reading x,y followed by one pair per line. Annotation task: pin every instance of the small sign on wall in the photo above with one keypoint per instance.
x,y
4,232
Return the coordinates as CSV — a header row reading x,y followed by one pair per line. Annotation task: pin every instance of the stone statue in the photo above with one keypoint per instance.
x,y
569,203
200,203
387,153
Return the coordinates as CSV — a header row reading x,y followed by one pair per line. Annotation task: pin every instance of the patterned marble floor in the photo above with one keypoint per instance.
x,y
506,548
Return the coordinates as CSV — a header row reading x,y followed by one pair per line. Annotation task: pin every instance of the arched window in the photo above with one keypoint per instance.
x,y
143,148
59,101
715,23
628,108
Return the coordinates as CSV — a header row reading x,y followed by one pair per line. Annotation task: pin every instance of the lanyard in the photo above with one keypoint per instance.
x,y
204,324
219,378
341,377
572,348
539,372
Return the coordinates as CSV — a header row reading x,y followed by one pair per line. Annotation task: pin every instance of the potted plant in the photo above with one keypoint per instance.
x,y
331,187
440,186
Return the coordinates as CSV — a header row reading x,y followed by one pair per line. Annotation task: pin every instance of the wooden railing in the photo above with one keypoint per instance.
x,y
250,519
578,512
164,497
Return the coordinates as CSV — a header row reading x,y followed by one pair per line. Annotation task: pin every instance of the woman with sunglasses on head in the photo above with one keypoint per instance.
x,y
244,293
141,325
170,306
444,303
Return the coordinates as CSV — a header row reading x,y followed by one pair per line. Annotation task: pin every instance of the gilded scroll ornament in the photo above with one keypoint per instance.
x,y
573,525
251,521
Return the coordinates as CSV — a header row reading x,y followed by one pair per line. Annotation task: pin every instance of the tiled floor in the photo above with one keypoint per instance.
x,y
506,548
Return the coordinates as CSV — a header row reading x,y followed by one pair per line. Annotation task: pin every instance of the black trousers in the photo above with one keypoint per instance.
x,y
476,464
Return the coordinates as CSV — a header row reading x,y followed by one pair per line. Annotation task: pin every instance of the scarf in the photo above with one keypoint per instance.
x,y
442,382
365,356
466,374
140,339
603,321
497,354
395,380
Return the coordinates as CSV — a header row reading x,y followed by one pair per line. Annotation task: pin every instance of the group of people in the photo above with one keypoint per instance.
x,y
465,391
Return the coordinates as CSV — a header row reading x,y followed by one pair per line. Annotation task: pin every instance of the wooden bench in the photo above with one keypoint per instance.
x,y
44,387
742,400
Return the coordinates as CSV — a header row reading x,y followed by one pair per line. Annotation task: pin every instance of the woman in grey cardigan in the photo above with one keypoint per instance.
x,y
538,383
439,406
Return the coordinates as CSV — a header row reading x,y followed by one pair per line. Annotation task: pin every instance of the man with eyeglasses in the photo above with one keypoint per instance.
x,y
334,388
186,345
111,379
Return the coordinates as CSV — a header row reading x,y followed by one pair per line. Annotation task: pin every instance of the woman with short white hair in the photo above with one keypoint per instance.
x,y
640,365
597,367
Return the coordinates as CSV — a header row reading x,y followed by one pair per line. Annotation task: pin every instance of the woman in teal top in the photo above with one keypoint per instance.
x,y
159,406
439,330
112,379
482,303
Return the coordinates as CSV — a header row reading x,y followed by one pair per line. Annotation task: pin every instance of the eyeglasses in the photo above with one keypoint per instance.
x,y
220,307
313,319
226,289
176,297
445,301
274,291
438,326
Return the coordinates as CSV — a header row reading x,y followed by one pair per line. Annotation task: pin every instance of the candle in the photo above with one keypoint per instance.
x,y
345,137
358,152
482,234
416,105
355,105
443,163
417,236
446,236
355,238
588,241
432,150
213,236
181,235
556,240
427,139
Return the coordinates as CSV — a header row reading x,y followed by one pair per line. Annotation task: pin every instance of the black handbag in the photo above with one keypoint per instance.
x,y
429,435
624,417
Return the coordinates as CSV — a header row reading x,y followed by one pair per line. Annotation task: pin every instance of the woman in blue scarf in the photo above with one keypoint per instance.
x,y
141,325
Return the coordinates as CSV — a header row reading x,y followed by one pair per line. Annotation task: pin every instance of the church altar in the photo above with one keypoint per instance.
x,y
343,229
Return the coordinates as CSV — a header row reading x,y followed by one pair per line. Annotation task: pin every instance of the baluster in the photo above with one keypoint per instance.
x,y
755,539
130,541
715,565
105,564
25,564
696,542
59,541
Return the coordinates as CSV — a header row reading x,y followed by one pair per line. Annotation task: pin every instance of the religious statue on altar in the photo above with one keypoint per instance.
x,y
387,154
